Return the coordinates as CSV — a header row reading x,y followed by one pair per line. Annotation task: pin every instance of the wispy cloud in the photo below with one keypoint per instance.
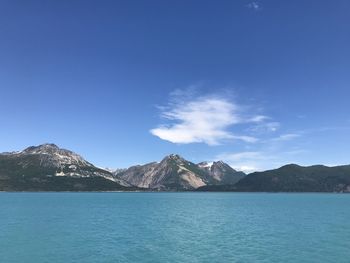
x,y
265,126
241,156
259,118
252,161
254,5
204,119
286,137
245,161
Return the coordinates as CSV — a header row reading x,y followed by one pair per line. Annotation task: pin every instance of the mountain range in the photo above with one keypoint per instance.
x,y
176,173
49,168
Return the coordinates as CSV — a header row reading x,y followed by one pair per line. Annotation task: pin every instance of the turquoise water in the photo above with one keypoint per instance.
x,y
174,227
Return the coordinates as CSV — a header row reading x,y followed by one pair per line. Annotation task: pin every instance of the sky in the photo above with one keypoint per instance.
x,y
257,84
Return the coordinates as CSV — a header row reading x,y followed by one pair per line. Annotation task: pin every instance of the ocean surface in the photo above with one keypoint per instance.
x,y
174,227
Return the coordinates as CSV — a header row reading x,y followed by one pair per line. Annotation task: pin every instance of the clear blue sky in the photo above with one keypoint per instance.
x,y
256,83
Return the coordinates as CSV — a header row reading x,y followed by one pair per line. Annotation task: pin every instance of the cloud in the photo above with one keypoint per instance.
x,y
241,156
245,138
287,137
204,119
259,118
245,168
254,5
265,127
245,161
261,160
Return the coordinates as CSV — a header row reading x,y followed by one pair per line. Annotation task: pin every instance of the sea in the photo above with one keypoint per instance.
x,y
174,227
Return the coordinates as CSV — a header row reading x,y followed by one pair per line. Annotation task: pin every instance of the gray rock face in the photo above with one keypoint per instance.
x,y
172,173
139,175
221,172
176,173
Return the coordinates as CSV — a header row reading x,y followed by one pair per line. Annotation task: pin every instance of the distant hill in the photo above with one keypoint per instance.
x,y
292,178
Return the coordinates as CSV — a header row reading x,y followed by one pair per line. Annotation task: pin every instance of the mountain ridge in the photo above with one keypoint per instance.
x,y
173,172
49,168
292,178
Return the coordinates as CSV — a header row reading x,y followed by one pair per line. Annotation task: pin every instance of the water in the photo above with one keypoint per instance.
x,y
174,227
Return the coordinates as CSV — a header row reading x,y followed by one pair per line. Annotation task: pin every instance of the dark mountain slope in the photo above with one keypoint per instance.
x,y
47,167
293,178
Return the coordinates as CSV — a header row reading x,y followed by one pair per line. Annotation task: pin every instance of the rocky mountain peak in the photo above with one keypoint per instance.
x,y
173,158
49,159
51,155
221,172
43,148
214,165
222,165
205,164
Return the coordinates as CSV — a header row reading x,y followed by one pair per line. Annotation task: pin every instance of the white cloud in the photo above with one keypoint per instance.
x,y
246,168
254,5
286,137
245,161
253,161
259,118
205,119
266,127
233,157
244,138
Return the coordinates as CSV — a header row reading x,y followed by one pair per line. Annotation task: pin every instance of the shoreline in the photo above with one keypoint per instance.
x,y
243,192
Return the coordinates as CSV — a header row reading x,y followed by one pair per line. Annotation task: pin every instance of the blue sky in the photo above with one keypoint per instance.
x,y
256,83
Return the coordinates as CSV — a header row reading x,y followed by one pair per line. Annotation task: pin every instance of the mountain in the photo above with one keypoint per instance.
x,y
293,178
176,173
221,172
172,173
48,167
138,175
